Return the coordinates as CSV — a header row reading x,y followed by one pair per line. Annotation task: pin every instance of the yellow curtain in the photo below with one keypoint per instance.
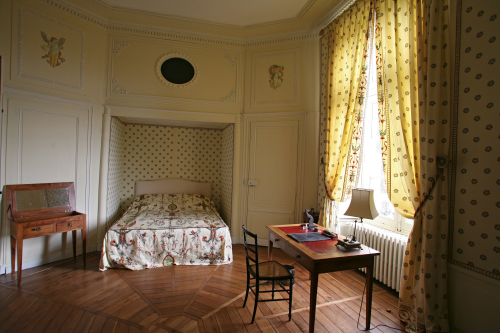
x,y
347,38
398,78
414,78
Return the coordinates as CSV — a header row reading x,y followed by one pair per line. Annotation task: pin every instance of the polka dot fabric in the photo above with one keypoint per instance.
x,y
475,228
148,152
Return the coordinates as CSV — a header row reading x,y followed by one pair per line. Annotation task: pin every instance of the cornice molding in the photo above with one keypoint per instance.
x,y
302,12
181,34
335,12
110,25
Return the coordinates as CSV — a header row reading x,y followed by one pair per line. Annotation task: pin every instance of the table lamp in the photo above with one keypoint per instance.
x,y
362,206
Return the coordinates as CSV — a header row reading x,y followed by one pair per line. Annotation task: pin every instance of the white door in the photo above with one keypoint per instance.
x,y
47,142
272,175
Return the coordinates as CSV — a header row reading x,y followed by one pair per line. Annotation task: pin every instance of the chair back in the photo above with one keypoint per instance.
x,y
251,249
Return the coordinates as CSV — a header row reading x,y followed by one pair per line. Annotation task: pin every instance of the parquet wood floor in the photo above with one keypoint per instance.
x,y
66,297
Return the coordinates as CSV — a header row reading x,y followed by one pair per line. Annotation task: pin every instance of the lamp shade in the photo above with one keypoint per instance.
x,y
362,204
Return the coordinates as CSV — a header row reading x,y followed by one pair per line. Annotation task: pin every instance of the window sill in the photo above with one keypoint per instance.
x,y
373,226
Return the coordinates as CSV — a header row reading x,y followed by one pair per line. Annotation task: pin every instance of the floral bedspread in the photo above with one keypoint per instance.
x,y
166,229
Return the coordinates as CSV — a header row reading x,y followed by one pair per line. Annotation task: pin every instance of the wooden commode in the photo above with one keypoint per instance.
x,y
39,210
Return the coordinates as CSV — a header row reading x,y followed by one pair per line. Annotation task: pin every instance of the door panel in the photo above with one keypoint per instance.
x,y
273,167
256,223
46,138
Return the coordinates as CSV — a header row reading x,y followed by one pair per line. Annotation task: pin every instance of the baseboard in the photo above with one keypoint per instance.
x,y
56,256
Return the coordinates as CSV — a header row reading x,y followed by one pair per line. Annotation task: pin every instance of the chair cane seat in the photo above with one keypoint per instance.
x,y
271,270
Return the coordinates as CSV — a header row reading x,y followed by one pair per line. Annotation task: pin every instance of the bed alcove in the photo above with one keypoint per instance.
x,y
136,148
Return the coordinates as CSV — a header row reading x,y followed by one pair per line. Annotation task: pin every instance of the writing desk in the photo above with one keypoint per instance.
x,y
323,257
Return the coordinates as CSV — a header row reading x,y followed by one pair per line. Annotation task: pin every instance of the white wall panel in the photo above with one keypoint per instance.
x,y
47,141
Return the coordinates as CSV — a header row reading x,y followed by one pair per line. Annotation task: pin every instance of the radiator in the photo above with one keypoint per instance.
x,y
392,247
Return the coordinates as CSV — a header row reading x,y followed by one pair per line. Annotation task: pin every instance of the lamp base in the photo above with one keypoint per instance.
x,y
348,244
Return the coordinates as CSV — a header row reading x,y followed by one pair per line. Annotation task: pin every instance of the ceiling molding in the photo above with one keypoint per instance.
x,y
196,36
334,12
297,17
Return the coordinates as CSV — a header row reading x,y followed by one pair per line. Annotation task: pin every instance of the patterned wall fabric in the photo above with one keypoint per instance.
x,y
148,152
475,229
115,169
227,173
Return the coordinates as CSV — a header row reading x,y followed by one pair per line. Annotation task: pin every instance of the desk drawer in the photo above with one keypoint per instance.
x,y
42,230
302,259
67,226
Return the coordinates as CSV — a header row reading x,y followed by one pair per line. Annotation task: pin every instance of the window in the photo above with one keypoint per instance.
x,y
372,171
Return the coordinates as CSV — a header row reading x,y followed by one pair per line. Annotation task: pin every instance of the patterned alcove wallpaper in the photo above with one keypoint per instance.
x,y
148,152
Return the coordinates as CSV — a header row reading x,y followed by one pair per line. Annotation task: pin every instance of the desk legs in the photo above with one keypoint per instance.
x,y
314,297
369,292
270,250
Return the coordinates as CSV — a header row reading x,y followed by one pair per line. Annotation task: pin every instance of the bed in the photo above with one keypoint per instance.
x,y
170,222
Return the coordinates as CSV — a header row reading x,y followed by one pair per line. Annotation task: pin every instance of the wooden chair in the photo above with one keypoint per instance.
x,y
265,272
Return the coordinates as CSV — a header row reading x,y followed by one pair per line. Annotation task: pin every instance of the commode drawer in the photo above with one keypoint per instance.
x,y
68,226
42,230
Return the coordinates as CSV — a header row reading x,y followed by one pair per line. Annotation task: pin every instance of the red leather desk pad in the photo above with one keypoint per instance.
x,y
326,246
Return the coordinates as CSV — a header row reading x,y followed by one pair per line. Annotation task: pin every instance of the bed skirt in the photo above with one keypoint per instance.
x,y
139,249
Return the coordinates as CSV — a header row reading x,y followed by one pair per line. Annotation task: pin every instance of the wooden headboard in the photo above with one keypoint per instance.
x,y
172,186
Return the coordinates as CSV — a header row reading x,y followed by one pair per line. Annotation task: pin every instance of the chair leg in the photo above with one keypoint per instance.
x,y
248,287
256,300
290,300
273,290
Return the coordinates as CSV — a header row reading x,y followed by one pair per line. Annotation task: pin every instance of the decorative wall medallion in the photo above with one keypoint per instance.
x,y
116,88
30,26
53,49
119,45
232,59
268,71
176,70
229,98
276,76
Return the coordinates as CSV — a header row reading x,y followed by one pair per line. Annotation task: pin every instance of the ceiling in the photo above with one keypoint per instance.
x,y
239,14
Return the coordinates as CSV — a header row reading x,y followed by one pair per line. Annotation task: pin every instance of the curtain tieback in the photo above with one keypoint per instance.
x,y
427,196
